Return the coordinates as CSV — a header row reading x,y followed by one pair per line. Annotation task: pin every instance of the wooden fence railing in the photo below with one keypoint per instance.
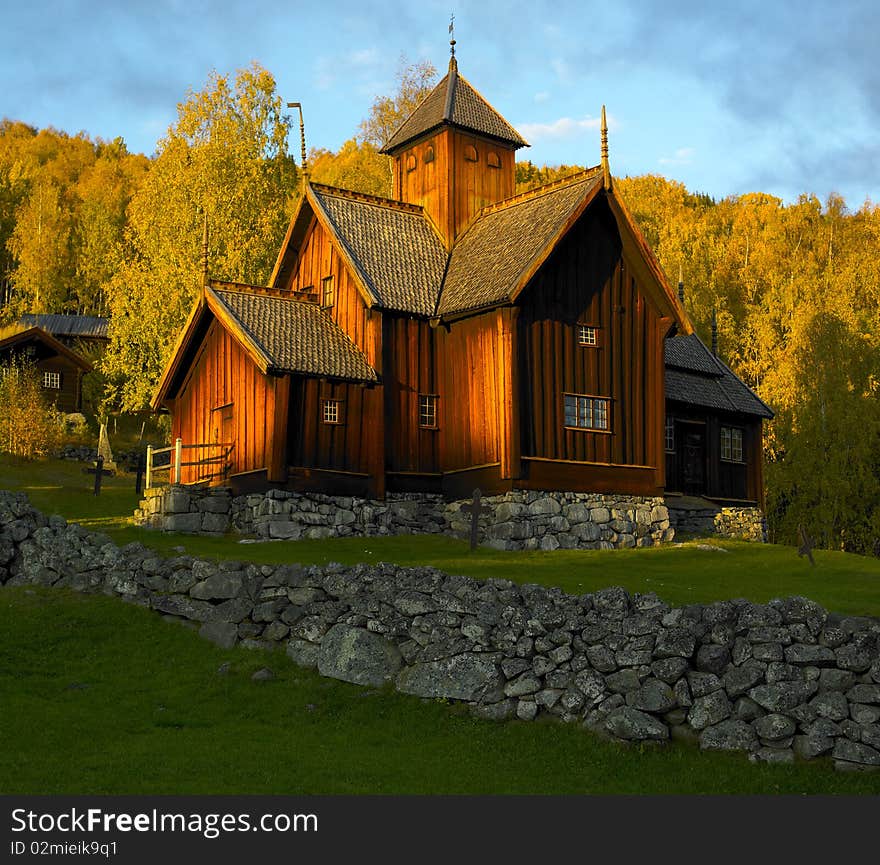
x,y
216,462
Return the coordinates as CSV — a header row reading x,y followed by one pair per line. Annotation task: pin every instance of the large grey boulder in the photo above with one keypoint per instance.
x,y
222,634
219,586
468,676
632,724
358,655
709,710
729,735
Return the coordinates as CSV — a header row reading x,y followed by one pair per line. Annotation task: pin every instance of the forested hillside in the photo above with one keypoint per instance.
x,y
86,226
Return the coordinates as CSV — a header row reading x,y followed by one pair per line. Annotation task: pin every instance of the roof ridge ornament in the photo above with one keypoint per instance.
x,y
452,60
606,170
302,140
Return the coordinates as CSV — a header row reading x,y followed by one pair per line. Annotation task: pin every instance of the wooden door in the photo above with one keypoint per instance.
x,y
693,460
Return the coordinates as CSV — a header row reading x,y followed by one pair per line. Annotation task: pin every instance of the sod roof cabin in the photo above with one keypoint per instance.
x,y
455,336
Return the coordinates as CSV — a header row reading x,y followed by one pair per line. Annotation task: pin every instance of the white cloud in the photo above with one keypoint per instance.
x,y
682,156
564,127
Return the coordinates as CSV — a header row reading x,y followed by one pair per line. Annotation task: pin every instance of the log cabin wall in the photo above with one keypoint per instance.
x,y
722,479
410,370
320,259
454,175
587,281
225,398
67,398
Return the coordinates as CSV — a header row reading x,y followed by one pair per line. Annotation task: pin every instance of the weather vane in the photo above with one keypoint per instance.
x,y
452,34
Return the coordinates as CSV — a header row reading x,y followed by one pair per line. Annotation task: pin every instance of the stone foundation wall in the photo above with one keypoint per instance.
x,y
736,523
520,520
777,681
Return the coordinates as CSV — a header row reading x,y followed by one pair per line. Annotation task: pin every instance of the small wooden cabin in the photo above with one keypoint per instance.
x,y
60,368
457,336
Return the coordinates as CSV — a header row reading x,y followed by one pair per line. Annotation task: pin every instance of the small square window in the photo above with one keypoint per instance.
x,y
52,380
586,412
327,293
588,334
331,411
427,411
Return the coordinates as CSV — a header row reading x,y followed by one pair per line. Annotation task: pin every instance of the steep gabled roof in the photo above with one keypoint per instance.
x,y
508,241
695,376
51,346
280,334
395,251
292,336
84,326
454,102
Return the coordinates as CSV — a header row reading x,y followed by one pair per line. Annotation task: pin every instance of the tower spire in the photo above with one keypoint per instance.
x,y
302,140
606,170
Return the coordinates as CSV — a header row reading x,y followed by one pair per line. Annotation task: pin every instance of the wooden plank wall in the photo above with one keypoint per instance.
x,y
452,189
587,280
471,393
349,446
320,259
409,369
221,377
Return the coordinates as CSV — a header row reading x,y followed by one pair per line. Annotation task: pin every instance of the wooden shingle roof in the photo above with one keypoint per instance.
x,y
454,102
398,255
498,252
696,377
292,336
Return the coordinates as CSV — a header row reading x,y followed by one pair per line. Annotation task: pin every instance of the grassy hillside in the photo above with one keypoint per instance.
x,y
102,697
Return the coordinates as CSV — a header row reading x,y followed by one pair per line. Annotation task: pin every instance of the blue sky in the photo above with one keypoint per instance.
x,y
729,97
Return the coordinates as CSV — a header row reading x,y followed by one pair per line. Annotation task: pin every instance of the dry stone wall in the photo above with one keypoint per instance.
x,y
734,522
520,520
779,681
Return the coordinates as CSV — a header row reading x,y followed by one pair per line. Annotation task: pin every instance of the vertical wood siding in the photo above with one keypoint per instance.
x,y
588,280
222,379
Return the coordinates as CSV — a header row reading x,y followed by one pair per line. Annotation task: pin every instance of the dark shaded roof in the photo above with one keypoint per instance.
x,y
454,101
85,326
502,244
49,346
397,254
295,336
695,376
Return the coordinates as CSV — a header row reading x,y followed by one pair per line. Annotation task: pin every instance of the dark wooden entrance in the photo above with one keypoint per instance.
x,y
692,454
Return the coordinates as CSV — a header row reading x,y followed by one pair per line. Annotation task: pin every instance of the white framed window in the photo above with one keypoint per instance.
x,y
669,435
587,412
331,411
732,444
52,380
588,334
427,411
328,295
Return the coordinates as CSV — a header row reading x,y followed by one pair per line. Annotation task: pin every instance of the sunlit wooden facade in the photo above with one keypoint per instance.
x,y
457,336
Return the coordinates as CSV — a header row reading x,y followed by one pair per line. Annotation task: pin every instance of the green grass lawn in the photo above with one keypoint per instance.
x,y
99,696
103,697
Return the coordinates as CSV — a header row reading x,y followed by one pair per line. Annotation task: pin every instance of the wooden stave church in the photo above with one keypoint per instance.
x,y
461,336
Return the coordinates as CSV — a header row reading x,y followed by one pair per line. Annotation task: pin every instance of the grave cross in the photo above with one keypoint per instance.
x,y
806,547
99,472
475,510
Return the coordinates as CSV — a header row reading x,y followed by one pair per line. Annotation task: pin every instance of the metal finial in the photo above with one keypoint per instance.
x,y
302,137
606,170
452,35
680,284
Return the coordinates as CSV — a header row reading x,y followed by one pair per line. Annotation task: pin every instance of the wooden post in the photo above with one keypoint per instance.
x,y
149,477
99,473
178,450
